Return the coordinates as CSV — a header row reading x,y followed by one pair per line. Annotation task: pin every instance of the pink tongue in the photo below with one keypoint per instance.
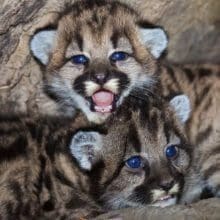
x,y
103,98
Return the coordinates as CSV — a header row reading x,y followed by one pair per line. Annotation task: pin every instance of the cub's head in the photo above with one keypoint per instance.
x,y
100,53
146,158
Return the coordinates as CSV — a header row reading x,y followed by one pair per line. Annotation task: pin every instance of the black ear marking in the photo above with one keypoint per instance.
x,y
79,39
114,38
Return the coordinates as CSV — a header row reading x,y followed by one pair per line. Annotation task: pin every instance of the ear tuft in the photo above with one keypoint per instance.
x,y
41,45
181,105
155,39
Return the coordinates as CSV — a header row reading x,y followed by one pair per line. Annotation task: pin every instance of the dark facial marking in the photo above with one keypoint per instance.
x,y
141,194
79,40
79,85
166,129
133,139
114,39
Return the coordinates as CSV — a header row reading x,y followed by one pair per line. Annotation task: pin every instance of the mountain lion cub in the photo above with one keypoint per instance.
x,y
100,53
66,169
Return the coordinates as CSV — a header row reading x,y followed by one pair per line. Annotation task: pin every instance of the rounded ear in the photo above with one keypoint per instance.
x,y
155,39
181,105
41,45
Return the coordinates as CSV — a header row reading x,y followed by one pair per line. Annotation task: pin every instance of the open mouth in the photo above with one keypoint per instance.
x,y
164,201
164,198
103,101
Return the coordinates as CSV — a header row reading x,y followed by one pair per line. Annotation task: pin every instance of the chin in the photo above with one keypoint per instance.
x,y
97,118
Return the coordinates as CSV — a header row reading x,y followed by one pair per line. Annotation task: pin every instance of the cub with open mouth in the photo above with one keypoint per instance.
x,y
100,53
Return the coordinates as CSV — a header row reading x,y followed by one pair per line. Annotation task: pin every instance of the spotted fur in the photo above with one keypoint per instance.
x,y
39,179
93,28
64,169
147,133
97,29
202,85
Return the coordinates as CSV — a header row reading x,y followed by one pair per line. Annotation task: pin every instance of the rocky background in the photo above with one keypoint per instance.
x,y
193,27
208,209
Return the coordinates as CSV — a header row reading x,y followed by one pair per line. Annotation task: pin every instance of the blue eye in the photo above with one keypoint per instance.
x,y
171,151
118,56
79,59
134,162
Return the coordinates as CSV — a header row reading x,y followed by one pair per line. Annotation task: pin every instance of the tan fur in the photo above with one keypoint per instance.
x,y
28,183
202,85
95,28
40,178
151,146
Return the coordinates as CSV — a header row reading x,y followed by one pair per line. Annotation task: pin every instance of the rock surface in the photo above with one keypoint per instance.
x,y
193,27
208,209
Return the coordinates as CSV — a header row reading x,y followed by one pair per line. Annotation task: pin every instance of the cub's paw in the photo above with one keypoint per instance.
x,y
86,146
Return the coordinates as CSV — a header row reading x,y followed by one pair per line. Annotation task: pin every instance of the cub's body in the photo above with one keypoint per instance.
x,y
72,170
38,178
103,53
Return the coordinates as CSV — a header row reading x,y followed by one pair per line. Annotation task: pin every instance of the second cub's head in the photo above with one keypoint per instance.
x,y
100,53
146,157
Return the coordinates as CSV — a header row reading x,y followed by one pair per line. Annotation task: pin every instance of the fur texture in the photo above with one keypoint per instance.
x,y
63,170
202,86
97,30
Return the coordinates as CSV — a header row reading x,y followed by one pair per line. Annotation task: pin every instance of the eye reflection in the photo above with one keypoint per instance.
x,y
118,56
171,152
79,59
134,162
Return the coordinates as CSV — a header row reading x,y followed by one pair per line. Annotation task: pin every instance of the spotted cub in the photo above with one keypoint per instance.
x,y
100,53
64,169
144,157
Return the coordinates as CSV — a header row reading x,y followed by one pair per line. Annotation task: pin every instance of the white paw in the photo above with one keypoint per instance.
x,y
85,147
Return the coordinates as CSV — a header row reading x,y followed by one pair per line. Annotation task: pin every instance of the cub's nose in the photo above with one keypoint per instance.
x,y
166,185
100,78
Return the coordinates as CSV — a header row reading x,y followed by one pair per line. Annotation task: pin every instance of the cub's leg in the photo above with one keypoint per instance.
x,y
86,148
